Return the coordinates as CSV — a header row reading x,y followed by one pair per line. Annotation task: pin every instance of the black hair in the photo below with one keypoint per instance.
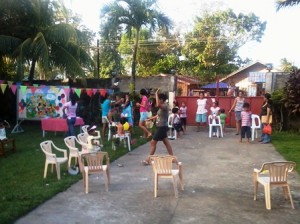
x,y
143,92
103,98
123,120
246,105
175,110
162,97
73,99
222,110
268,96
217,103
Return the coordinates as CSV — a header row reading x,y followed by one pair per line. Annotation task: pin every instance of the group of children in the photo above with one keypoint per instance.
x,y
179,116
245,119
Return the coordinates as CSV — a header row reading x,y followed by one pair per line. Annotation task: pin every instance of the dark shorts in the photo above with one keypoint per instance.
x,y
161,133
245,131
183,121
178,127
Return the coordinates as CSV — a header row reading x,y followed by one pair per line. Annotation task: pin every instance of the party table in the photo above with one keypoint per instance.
x,y
58,124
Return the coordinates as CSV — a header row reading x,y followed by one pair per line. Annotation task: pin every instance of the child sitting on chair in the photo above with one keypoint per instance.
x,y
3,139
93,139
123,127
3,124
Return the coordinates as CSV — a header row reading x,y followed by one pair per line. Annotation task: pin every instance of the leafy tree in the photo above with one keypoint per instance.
x,y
285,3
32,32
292,94
212,47
129,15
287,66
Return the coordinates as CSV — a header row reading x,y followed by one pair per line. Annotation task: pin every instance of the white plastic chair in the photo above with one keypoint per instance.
x,y
110,125
123,138
214,121
73,150
84,128
163,168
255,125
52,158
92,163
84,139
273,174
172,133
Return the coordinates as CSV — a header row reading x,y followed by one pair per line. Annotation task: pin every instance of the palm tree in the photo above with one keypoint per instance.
x,y
133,15
33,32
285,3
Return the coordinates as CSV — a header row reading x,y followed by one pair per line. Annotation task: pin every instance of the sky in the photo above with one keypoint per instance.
x,y
281,38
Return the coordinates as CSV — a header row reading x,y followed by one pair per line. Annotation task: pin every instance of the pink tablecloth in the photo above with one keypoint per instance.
x,y
58,124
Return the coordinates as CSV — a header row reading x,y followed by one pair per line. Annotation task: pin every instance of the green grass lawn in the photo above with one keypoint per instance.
x,y
288,145
22,186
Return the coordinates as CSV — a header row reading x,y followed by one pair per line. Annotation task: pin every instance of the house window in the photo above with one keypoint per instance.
x,y
257,77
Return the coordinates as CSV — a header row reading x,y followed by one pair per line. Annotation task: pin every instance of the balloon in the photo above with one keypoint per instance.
x,y
126,126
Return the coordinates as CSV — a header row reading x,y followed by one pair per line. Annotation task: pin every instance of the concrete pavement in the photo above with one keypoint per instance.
x,y
218,188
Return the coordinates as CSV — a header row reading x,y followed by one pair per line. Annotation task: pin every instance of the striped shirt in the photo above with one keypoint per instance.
x,y
246,118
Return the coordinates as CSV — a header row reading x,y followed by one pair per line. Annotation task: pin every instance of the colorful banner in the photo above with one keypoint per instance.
x,y
40,102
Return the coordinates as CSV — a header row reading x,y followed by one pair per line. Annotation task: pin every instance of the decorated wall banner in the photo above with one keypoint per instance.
x,y
35,103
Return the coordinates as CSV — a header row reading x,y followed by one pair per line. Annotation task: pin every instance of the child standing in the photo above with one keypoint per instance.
x,y
183,115
246,122
176,121
223,118
215,112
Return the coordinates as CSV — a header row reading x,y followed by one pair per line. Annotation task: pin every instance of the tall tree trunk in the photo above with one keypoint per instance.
x,y
31,72
133,65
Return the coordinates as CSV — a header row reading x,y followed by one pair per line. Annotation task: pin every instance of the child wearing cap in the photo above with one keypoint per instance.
x,y
93,139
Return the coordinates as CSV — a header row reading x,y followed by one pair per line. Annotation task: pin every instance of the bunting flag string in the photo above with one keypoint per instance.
x,y
23,86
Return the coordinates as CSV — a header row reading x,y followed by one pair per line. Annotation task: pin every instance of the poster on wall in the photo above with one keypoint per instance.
x,y
35,103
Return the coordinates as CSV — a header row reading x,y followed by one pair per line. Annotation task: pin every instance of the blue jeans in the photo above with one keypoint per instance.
x,y
71,121
265,138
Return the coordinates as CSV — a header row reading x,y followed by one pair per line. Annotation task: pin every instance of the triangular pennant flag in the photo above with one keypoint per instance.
x,y
36,85
110,91
89,92
3,87
9,83
78,91
13,88
102,92
95,90
45,89
67,91
32,89
23,89
18,84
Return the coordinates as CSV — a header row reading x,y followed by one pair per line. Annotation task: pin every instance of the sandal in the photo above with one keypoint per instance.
x,y
145,163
